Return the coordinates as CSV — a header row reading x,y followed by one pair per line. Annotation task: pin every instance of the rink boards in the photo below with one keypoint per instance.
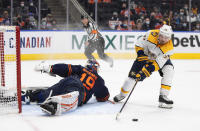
x,y
37,45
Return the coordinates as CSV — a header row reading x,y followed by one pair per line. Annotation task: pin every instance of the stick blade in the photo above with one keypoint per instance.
x,y
117,116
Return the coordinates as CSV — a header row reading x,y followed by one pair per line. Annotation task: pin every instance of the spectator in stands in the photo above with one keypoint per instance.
x,y
140,9
195,10
198,17
138,25
22,10
158,18
54,25
169,18
27,25
124,25
193,19
184,26
32,9
158,14
164,5
197,28
114,21
20,22
186,9
153,19
32,21
124,12
159,24
182,15
43,24
5,20
132,9
146,25
47,22
176,22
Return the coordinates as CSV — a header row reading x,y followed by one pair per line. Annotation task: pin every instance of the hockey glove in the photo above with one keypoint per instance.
x,y
143,74
44,67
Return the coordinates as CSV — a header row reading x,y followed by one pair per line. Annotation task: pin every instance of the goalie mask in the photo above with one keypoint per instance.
x,y
92,65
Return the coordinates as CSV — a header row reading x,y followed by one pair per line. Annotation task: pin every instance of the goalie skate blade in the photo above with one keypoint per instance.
x,y
46,111
166,106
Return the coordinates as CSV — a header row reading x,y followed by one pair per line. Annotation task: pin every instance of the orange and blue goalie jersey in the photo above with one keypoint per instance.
x,y
93,84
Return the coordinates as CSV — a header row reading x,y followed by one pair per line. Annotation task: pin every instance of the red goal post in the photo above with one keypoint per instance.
x,y
10,70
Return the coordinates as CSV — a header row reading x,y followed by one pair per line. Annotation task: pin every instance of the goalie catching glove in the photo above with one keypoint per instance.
x,y
44,67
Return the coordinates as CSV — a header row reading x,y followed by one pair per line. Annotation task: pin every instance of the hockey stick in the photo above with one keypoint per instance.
x,y
126,100
81,10
34,87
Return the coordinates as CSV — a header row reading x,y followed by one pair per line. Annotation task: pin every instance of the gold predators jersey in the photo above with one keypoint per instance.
x,y
159,53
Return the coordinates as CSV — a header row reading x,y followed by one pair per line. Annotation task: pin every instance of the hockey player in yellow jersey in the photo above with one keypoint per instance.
x,y
153,54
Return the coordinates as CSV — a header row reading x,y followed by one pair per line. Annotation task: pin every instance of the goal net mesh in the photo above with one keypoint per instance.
x,y
10,86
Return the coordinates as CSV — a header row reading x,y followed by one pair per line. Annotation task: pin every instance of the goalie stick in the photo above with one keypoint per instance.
x,y
126,100
81,10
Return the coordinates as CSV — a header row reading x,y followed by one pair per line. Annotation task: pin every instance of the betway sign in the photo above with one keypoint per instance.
x,y
115,42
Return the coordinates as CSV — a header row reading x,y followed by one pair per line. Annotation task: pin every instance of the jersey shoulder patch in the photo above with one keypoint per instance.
x,y
153,36
154,33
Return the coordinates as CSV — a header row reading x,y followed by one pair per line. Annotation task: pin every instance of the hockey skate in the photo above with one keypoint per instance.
x,y
118,97
25,97
164,102
49,108
29,96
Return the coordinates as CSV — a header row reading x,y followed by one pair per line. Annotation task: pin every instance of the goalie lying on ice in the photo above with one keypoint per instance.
x,y
153,54
75,89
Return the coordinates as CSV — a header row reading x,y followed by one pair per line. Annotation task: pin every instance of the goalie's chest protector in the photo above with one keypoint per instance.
x,y
156,48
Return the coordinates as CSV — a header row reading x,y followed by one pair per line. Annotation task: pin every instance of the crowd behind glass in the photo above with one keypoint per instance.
x,y
112,14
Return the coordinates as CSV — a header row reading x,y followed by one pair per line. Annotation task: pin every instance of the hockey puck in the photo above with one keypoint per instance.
x,y
134,119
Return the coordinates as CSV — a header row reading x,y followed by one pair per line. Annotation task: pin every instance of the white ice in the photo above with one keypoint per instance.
x,y
143,103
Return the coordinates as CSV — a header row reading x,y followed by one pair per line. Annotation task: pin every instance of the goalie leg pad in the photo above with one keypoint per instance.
x,y
57,105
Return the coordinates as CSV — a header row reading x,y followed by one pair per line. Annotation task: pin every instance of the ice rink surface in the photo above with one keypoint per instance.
x,y
143,103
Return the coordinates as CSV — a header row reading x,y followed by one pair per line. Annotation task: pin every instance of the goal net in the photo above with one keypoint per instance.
x,y
10,70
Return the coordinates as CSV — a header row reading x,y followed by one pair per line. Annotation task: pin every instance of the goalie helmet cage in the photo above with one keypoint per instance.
x,y
10,70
